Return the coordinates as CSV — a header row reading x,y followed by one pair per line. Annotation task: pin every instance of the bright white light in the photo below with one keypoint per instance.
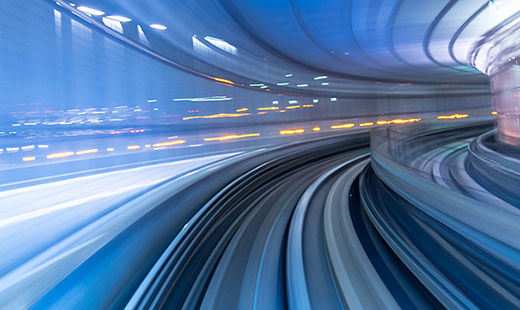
x,y
321,77
204,99
223,45
113,24
263,87
158,27
333,99
302,85
275,101
119,18
325,83
288,75
293,101
282,83
90,11
142,36
256,84
315,100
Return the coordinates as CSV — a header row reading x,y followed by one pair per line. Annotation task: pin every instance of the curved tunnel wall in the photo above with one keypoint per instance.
x,y
55,68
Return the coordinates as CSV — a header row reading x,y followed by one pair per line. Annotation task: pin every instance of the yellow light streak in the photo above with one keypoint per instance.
x,y
222,80
90,151
232,137
169,143
342,126
220,115
60,155
267,108
291,131
453,116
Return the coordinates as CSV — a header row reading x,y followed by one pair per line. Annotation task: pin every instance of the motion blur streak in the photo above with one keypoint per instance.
x,y
60,155
232,137
90,151
169,143
220,115
349,125
230,154
291,131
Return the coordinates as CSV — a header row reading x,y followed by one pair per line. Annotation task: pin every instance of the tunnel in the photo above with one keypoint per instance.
x,y
247,154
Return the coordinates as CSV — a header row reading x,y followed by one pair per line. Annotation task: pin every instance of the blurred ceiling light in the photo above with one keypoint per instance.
x,y
222,80
223,45
302,85
158,27
203,99
142,36
321,77
325,83
113,24
333,99
256,84
288,75
90,11
119,18
315,100
282,83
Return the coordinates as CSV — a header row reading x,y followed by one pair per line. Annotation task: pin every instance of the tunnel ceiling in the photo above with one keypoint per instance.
x,y
288,44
